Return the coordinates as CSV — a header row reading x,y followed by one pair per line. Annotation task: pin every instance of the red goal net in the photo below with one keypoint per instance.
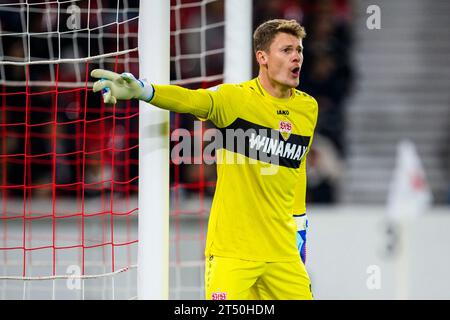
x,y
69,163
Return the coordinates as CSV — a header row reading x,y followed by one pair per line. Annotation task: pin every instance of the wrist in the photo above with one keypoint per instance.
x,y
147,91
301,221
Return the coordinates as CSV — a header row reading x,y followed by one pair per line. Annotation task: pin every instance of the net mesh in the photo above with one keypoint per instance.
x,y
69,163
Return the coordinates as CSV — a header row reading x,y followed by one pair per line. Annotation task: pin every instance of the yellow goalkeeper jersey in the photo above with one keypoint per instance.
x,y
261,168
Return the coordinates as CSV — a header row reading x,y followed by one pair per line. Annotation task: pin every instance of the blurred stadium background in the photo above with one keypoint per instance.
x,y
375,88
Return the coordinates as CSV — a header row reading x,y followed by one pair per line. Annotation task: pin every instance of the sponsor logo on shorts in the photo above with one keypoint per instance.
x,y
219,296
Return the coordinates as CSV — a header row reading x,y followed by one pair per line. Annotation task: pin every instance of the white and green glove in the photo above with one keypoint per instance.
x,y
302,228
123,86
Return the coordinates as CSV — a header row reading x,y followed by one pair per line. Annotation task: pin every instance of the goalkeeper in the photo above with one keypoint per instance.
x,y
257,224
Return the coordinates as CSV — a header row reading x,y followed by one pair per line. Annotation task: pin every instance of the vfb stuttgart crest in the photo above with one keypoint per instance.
x,y
219,296
285,129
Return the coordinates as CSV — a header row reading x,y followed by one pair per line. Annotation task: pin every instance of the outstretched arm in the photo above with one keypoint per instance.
x,y
125,86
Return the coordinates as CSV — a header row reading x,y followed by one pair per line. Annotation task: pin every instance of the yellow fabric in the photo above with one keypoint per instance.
x,y
236,279
182,100
251,214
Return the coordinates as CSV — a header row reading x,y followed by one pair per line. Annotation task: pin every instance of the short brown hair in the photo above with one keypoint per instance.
x,y
266,32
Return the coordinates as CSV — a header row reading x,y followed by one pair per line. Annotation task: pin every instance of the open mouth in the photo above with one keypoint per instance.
x,y
295,71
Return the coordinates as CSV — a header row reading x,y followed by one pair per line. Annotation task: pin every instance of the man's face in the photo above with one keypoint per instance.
x,y
283,60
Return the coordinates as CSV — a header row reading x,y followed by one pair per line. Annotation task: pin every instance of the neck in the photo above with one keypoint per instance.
x,y
273,88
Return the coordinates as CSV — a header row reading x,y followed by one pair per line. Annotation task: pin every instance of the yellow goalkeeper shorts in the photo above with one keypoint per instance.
x,y
235,279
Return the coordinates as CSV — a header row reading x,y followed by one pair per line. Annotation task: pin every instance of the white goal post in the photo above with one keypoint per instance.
x,y
154,60
154,65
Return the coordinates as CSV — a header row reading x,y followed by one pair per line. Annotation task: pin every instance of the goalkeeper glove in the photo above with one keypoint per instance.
x,y
302,227
123,86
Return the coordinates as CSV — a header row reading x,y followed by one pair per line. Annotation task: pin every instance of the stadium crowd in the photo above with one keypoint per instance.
x,y
326,74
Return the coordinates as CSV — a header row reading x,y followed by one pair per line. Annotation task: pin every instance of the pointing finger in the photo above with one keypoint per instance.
x,y
101,84
105,74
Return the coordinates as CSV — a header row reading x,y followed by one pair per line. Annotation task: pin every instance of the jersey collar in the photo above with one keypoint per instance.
x,y
270,97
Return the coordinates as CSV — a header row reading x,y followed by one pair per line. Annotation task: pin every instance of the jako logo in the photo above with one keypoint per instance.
x,y
283,112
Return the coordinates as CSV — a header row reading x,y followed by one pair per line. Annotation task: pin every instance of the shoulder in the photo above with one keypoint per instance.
x,y
308,103
227,88
233,91
307,99
243,87
304,96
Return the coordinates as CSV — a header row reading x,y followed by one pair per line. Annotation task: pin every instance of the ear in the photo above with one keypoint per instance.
x,y
261,57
